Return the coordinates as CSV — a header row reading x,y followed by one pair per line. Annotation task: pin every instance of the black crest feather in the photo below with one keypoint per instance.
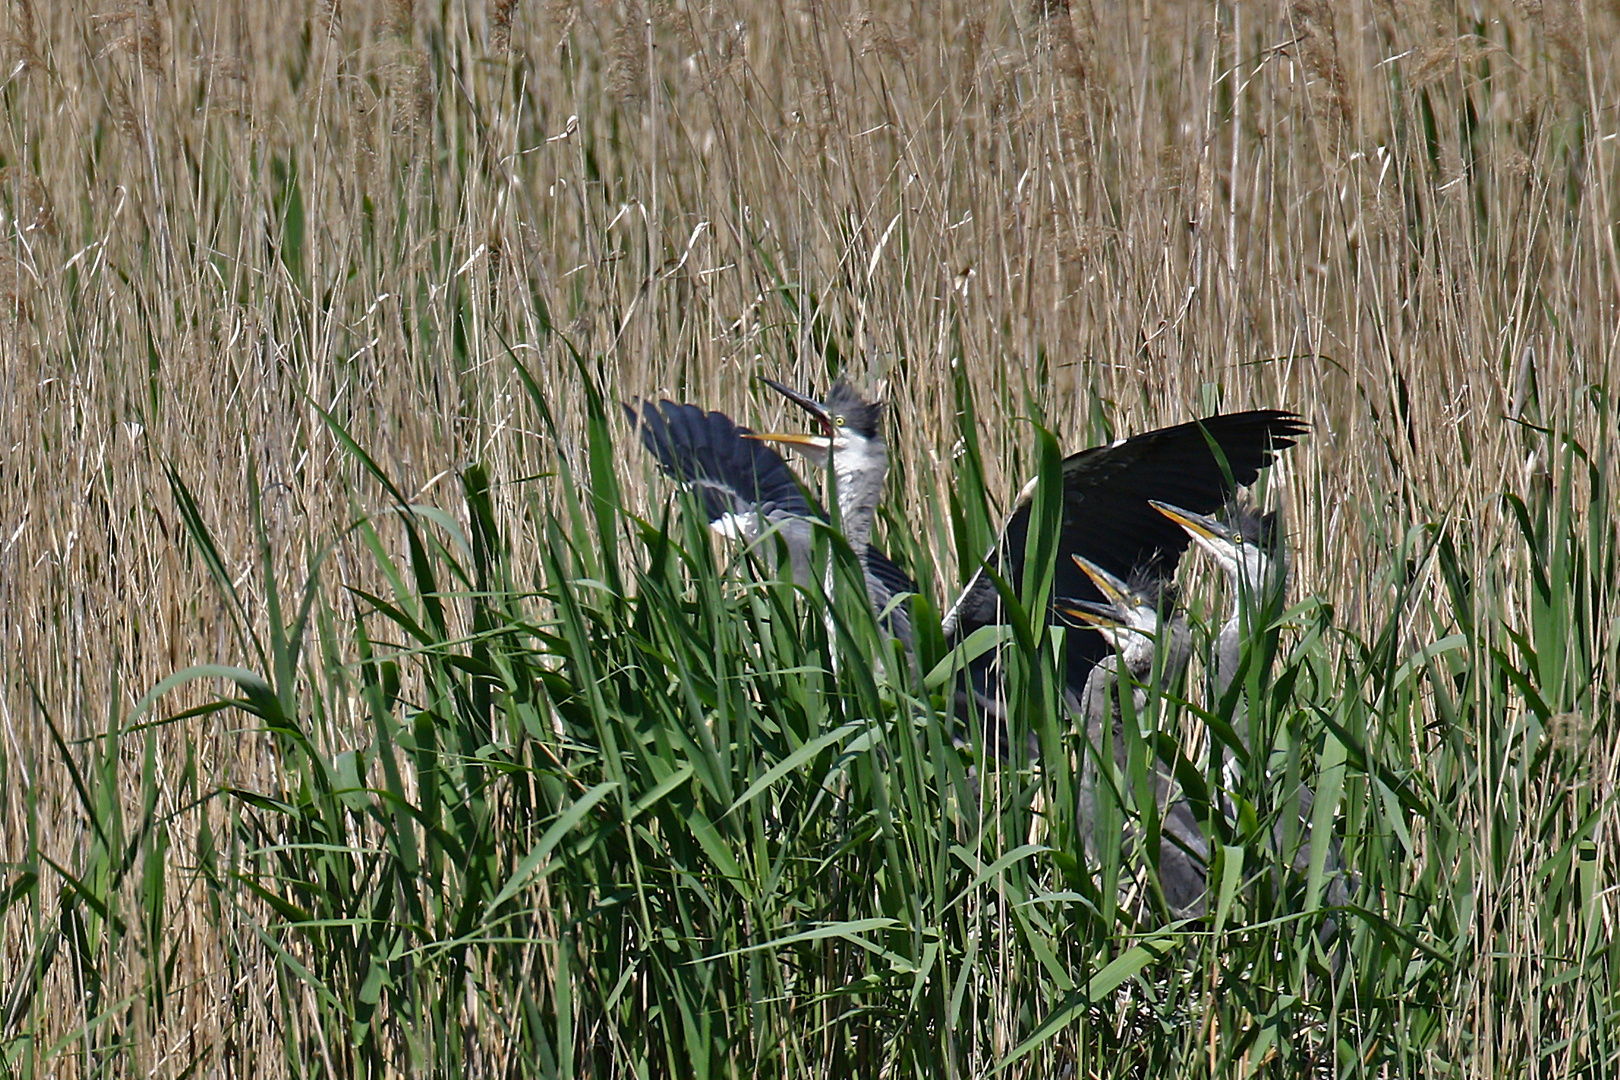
x,y
859,415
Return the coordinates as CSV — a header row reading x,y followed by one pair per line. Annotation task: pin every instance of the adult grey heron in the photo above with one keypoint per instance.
x,y
1151,649
748,490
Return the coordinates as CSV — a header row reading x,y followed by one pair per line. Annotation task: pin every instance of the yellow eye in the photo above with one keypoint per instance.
x,y
838,421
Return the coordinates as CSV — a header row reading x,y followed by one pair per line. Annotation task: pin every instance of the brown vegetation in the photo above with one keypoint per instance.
x,y
1396,218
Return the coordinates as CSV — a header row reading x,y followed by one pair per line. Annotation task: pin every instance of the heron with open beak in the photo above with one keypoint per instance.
x,y
1152,647
1107,516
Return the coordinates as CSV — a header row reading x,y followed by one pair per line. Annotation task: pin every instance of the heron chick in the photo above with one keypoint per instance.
x,y
1249,547
748,491
850,447
1151,643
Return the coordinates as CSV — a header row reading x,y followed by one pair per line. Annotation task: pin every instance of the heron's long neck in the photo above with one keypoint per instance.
x,y
1259,586
860,473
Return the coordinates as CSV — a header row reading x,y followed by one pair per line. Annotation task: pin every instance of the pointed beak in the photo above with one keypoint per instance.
x,y
1091,613
816,443
814,408
1211,535
1117,592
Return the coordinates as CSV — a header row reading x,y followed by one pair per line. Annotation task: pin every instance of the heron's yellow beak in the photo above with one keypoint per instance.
x,y
1091,614
1197,525
815,442
1110,586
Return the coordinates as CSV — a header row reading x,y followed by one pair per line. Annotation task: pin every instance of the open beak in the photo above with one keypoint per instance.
x,y
817,443
1212,535
1091,613
1106,620
814,408
1117,592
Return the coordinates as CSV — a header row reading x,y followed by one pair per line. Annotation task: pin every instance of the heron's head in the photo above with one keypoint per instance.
x,y
849,436
1246,543
1129,614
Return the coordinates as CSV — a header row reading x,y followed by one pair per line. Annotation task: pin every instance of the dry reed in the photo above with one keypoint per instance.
x,y
217,218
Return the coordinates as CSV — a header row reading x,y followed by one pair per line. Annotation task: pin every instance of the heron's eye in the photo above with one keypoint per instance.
x,y
838,421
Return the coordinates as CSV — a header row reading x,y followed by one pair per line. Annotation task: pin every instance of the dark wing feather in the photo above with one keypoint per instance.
x,y
707,451
890,576
1107,517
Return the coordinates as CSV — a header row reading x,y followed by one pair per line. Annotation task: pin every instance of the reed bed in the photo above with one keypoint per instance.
x,y
371,707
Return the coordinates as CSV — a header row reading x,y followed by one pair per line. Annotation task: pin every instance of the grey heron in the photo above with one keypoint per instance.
x,y
1151,649
749,493
748,490
850,446
1248,546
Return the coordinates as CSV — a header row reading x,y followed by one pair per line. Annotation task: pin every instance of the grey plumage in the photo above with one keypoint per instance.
x,y
1106,515
749,494
1249,547
852,450
1116,502
1151,643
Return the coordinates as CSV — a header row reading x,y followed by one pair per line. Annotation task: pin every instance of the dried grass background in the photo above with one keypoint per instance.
x,y
1397,218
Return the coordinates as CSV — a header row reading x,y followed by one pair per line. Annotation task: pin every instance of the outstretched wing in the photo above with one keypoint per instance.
x,y
732,475
737,479
1107,517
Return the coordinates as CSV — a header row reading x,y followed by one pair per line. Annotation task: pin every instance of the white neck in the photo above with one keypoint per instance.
x,y
859,469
